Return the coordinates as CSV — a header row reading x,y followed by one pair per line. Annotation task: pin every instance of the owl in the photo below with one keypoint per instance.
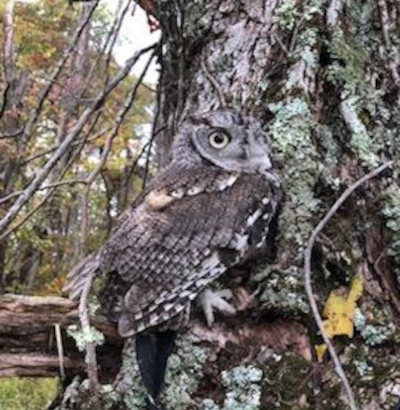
x,y
207,211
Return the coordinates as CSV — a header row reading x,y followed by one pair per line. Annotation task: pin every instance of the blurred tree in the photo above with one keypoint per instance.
x,y
48,82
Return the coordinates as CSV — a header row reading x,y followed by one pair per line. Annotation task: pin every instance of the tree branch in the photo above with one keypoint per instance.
x,y
35,112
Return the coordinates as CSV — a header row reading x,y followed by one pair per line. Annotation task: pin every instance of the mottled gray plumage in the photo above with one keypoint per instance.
x,y
207,211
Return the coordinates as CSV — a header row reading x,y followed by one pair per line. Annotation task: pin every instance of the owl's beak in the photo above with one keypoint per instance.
x,y
265,164
259,158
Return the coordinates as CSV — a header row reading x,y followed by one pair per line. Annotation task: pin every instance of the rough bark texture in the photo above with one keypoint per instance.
x,y
323,77
28,342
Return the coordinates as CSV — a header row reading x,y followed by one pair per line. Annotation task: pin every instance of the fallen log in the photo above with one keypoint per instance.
x,y
28,343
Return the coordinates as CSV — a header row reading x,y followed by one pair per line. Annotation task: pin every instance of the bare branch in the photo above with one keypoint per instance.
x,y
8,52
61,176
63,147
90,356
3,106
111,40
74,145
107,148
100,54
307,273
35,112
214,83
43,188
11,135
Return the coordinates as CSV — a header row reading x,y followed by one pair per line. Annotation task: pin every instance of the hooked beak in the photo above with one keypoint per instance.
x,y
259,158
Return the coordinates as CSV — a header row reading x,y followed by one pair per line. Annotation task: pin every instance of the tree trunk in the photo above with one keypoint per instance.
x,y
323,77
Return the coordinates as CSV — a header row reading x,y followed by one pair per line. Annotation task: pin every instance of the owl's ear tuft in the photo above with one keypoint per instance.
x,y
197,119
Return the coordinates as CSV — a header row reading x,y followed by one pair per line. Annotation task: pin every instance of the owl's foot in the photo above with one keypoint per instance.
x,y
211,300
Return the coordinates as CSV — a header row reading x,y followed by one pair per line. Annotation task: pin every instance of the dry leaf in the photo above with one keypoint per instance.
x,y
339,313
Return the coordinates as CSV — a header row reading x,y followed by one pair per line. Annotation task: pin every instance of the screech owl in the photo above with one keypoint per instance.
x,y
207,211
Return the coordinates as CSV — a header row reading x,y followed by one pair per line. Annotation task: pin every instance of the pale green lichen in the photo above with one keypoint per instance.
x,y
290,132
391,213
282,290
135,394
286,15
348,69
209,404
359,99
109,397
243,385
363,368
243,389
84,336
184,374
362,144
241,377
301,73
372,334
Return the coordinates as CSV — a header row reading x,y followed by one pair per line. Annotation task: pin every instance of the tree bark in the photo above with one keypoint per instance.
x,y
322,76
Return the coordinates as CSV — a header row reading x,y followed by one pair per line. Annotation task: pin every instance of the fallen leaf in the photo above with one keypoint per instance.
x,y
339,313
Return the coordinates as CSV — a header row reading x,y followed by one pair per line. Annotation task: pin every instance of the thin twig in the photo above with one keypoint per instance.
x,y
147,87
60,349
112,39
214,83
4,102
90,356
35,112
108,202
154,133
307,277
43,188
140,155
15,227
74,145
107,148
112,35
12,134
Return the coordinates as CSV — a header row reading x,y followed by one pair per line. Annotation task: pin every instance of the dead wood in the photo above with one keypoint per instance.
x,y
28,344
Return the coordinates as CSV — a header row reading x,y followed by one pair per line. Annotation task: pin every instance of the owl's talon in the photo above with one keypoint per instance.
x,y
211,300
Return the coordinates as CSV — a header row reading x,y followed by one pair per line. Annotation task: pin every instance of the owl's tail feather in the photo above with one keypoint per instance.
x,y
152,352
80,274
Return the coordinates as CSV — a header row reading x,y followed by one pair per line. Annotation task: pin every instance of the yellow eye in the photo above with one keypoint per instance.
x,y
219,139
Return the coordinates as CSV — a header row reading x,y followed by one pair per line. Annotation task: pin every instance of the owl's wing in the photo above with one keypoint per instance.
x,y
176,242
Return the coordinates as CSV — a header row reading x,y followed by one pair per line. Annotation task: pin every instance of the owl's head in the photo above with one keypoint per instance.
x,y
225,138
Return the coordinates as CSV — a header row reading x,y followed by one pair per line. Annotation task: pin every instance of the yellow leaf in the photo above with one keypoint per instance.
x,y
339,312
356,288
320,351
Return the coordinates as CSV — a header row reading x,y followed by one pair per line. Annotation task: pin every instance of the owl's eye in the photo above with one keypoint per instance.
x,y
219,139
